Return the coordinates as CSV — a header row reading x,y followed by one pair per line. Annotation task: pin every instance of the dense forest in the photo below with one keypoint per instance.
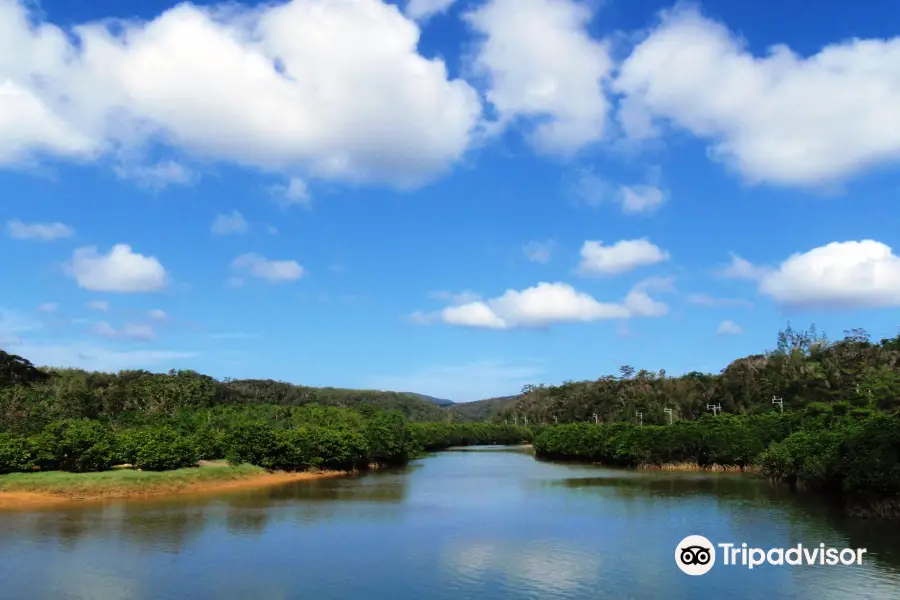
x,y
812,413
816,415
78,421
803,368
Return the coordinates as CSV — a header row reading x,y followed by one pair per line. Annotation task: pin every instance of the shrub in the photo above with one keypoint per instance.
x,y
83,445
164,449
44,452
14,453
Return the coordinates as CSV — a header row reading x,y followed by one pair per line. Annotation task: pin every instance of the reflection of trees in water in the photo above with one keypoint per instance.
x,y
172,524
246,520
809,517
170,529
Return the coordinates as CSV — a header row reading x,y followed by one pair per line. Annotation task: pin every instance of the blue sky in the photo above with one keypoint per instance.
x,y
454,198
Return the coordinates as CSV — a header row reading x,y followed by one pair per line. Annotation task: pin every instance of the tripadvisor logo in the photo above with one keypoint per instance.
x,y
696,555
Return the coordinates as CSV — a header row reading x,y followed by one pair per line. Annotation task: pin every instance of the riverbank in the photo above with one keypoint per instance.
x,y
57,488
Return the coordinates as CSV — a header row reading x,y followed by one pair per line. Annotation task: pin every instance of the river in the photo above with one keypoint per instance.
x,y
488,524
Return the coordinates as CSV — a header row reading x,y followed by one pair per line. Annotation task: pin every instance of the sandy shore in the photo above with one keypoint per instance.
x,y
31,499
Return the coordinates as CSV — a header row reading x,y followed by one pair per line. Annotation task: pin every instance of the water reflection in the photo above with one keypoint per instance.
x,y
486,523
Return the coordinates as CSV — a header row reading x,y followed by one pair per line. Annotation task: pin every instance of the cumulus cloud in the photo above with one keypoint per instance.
x,y
229,223
256,265
158,315
779,118
620,257
121,270
539,252
729,328
42,232
100,305
541,64
295,86
422,10
48,307
545,304
839,275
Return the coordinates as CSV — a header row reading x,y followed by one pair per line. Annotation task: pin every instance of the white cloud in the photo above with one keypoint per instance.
x,y
422,10
271,230
741,268
159,175
839,275
539,252
94,357
620,257
48,307
781,118
293,193
542,64
463,383
135,331
121,270
545,304
225,224
641,199
634,199
256,265
295,86
714,302
729,328
43,232
158,315
101,305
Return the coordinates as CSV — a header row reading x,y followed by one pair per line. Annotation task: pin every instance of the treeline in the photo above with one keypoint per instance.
x,y
291,438
328,438
31,398
851,453
804,368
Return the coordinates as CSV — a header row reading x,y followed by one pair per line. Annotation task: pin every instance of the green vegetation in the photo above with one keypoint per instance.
x,y
122,481
805,368
840,433
80,422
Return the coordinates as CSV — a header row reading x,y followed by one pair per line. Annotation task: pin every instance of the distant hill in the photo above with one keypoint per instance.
x,y
482,410
439,401
267,391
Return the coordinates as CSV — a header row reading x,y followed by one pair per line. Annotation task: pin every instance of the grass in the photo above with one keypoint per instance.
x,y
123,482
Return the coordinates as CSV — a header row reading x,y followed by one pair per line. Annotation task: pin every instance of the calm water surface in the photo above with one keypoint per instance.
x,y
490,524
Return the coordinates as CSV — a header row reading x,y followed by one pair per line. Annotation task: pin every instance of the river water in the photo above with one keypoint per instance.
x,y
481,523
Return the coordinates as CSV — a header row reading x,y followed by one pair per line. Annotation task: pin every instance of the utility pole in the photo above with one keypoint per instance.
x,y
641,417
596,419
779,402
516,419
715,408
526,420
668,411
